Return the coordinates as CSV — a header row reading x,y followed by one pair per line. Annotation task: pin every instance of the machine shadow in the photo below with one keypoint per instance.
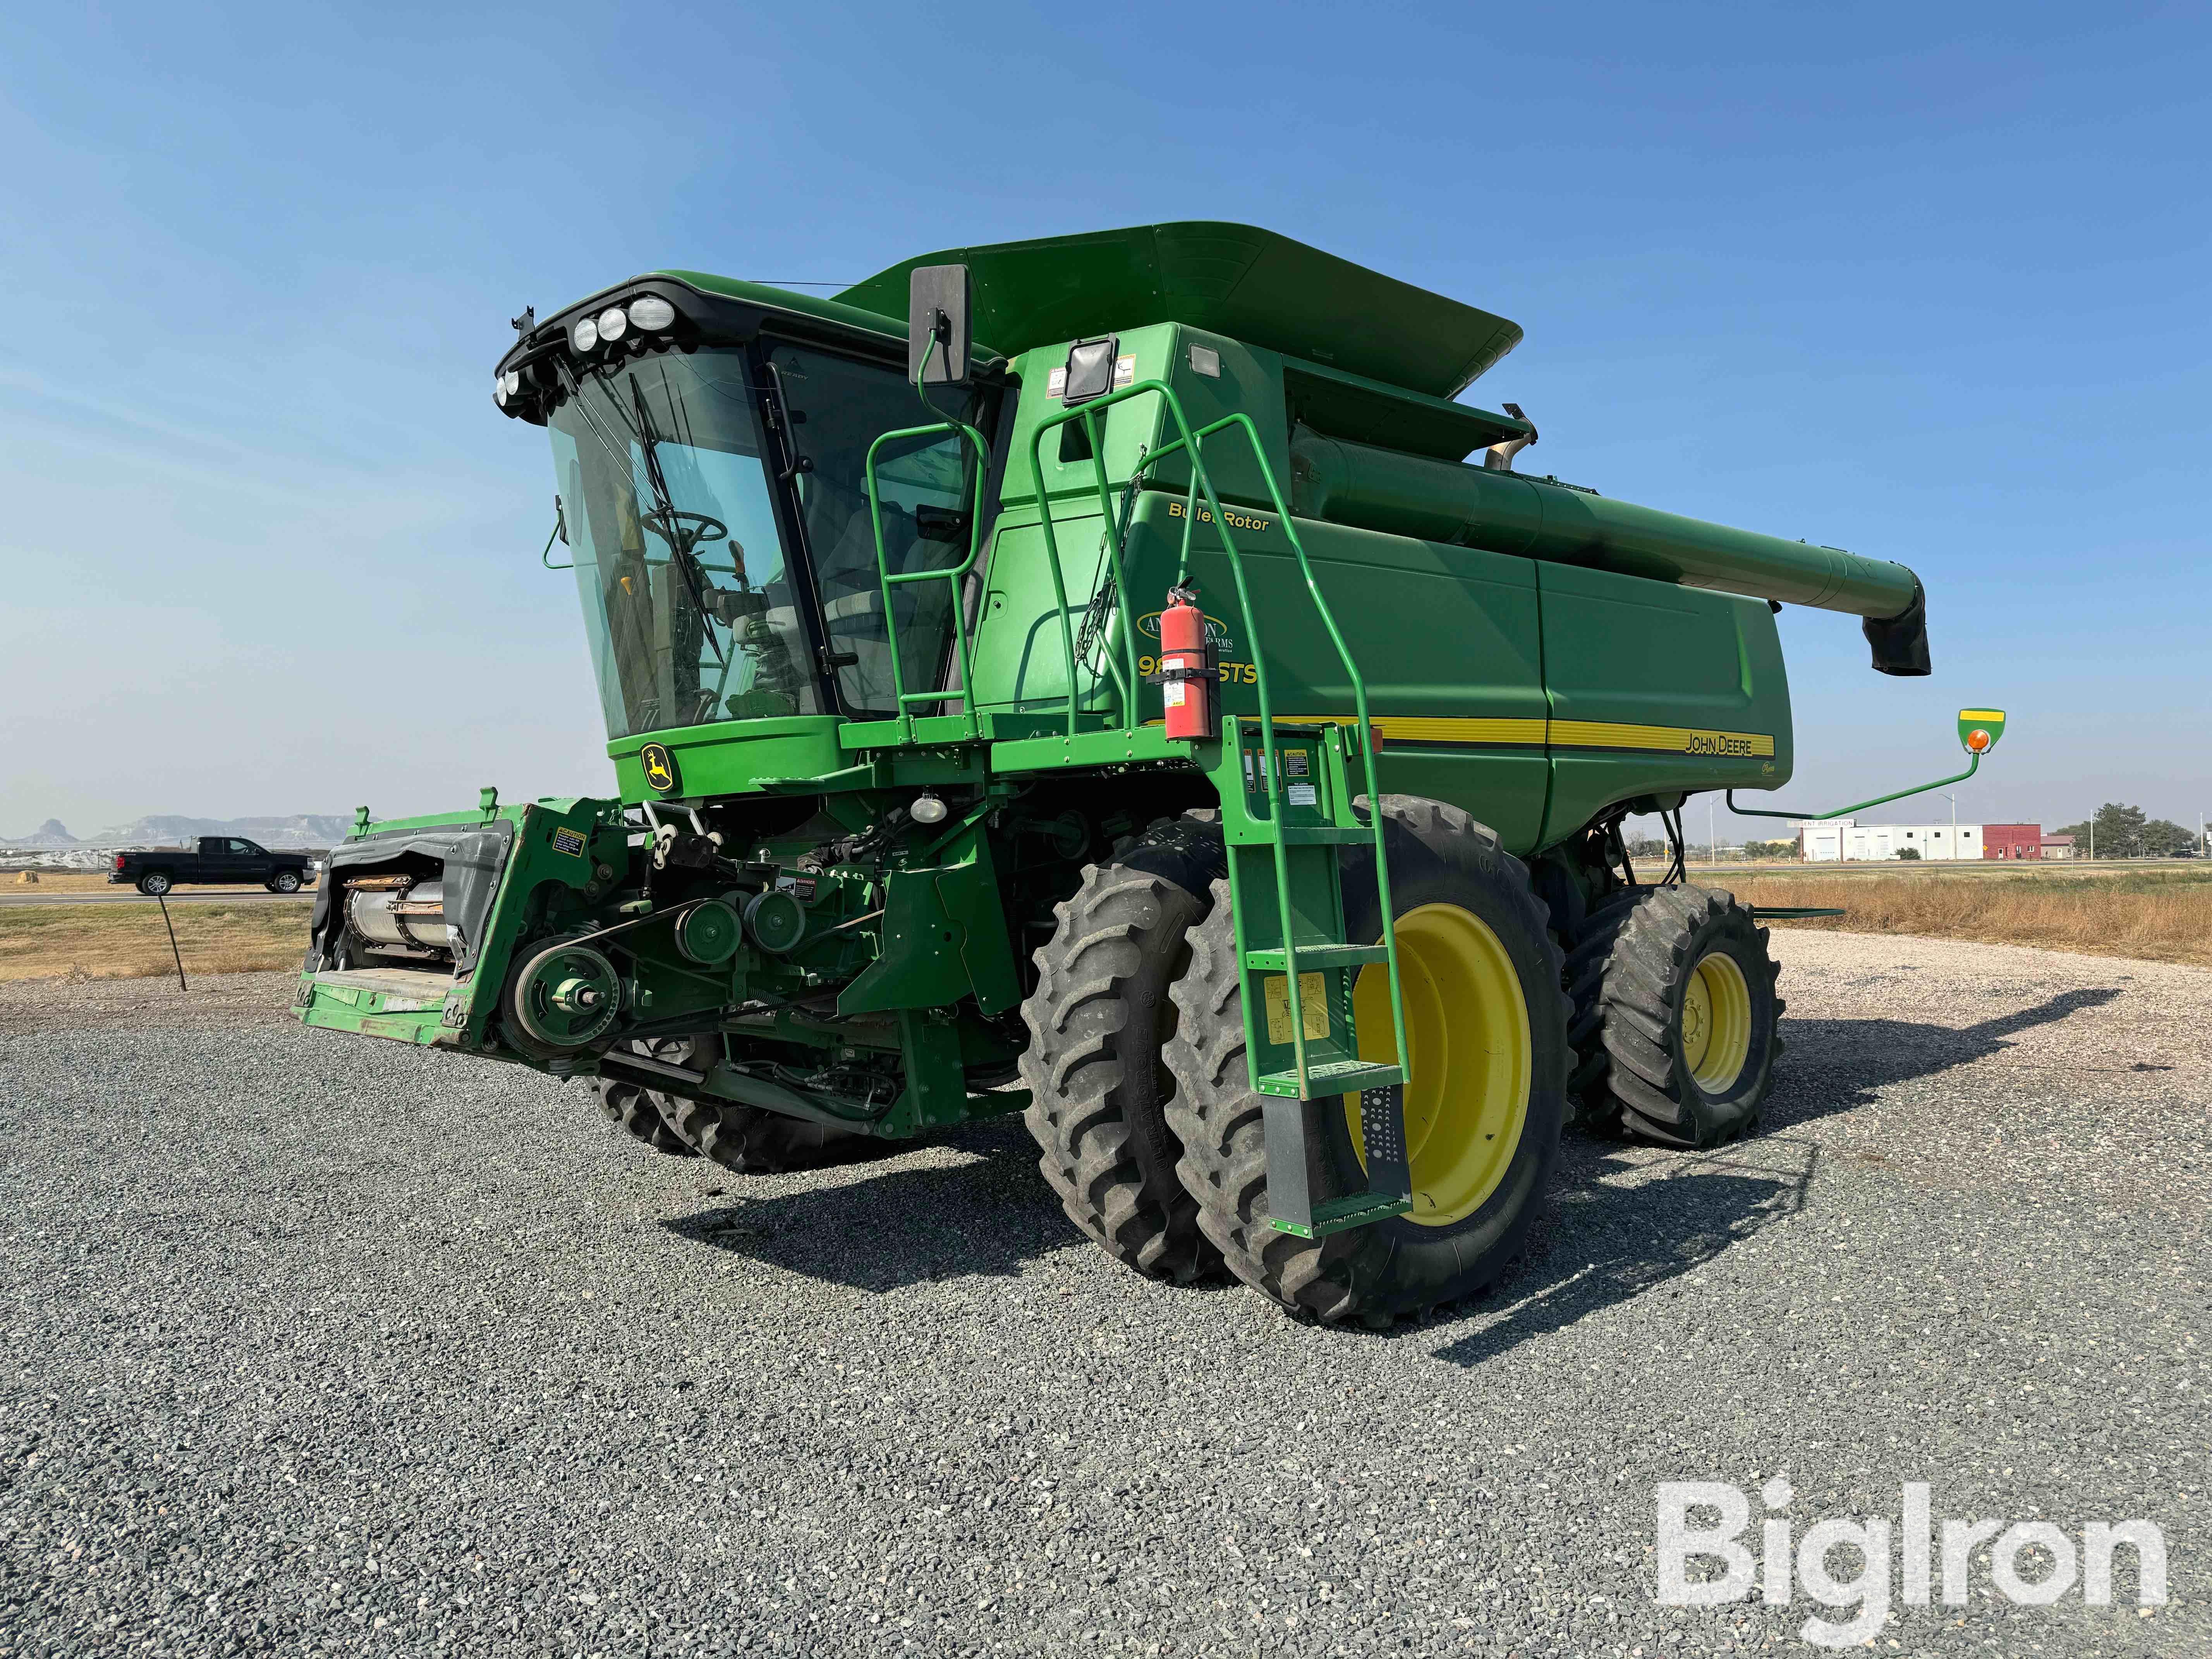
x,y
1834,1065
1604,1240
885,1226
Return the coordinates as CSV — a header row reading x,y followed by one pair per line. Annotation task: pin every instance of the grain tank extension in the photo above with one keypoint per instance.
x,y
1112,678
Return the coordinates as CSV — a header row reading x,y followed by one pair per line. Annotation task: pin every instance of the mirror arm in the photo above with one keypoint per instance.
x,y
1973,765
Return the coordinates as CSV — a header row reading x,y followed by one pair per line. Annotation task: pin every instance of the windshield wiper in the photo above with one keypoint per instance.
x,y
666,509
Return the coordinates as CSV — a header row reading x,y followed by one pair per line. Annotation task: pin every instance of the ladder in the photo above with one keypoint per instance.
x,y
1286,793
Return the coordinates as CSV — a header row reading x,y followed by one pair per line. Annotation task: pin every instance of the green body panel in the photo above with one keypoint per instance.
x,y
1251,284
1538,655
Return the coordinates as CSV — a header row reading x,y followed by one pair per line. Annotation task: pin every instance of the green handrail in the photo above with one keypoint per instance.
x,y
1189,441
952,577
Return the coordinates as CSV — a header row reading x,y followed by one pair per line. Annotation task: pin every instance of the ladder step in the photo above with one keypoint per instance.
x,y
1330,1077
1337,1215
1316,956
1325,835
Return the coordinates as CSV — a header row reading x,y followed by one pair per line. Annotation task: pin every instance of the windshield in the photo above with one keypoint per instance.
x,y
837,408
688,603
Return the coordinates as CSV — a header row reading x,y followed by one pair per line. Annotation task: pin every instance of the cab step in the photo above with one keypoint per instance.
x,y
1326,1078
1315,956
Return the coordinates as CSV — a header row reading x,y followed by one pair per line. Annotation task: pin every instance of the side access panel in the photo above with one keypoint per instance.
x,y
1448,638
1656,687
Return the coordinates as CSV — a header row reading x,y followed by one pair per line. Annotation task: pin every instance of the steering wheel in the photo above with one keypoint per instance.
x,y
670,522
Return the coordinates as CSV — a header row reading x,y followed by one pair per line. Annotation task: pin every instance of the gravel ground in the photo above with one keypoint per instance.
x,y
322,1345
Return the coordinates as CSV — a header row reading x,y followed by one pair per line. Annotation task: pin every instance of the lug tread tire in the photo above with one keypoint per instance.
x,y
637,1111
751,1141
1625,976
1097,1021
1353,1276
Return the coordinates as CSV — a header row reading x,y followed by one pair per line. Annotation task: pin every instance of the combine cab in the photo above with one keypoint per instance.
x,y
1096,666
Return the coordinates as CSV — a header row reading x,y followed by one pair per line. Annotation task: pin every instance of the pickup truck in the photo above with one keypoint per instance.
x,y
217,858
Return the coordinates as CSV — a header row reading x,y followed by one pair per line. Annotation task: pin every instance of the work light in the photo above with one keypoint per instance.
x,y
612,321
585,334
651,314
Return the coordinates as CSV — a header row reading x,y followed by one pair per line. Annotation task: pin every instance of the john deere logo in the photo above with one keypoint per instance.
x,y
659,768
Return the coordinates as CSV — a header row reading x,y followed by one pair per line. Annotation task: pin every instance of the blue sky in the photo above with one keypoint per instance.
x,y
1928,283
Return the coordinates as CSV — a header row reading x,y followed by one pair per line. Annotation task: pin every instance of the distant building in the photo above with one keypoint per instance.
x,y
2059,847
1846,839
2012,841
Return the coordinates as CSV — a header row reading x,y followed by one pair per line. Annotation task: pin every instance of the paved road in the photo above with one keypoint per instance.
x,y
132,895
322,1344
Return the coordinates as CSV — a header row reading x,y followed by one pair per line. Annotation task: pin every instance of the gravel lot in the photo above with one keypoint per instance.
x,y
322,1345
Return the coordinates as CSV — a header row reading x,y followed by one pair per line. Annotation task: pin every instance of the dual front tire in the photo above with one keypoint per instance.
x,y
1138,1056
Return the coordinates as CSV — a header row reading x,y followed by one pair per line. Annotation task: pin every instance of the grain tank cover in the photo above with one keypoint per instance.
x,y
1251,284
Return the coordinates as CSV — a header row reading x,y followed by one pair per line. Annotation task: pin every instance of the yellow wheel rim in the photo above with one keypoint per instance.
x,y
1467,1082
1716,1023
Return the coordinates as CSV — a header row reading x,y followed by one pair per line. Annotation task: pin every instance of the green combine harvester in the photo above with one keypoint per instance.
x,y
1095,664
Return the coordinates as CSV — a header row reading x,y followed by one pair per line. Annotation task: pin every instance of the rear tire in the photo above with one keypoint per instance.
x,y
154,883
644,1113
751,1141
1099,1020
1676,1016
1480,1190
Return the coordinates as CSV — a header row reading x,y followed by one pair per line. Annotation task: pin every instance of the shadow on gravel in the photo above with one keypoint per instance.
x,y
1619,1228
1835,1065
907,1225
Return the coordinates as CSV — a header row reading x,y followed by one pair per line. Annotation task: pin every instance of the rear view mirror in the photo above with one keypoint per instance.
x,y
938,339
1980,729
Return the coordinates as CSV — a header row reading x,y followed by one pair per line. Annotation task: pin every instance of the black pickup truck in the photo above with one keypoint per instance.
x,y
217,858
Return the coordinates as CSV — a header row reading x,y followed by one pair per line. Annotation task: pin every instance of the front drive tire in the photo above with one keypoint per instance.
x,y
1098,1018
284,881
1487,1024
1676,1016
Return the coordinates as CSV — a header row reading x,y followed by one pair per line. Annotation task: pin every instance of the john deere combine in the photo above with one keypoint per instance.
x,y
1097,662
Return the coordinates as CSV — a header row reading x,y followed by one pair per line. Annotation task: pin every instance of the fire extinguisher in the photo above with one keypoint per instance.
x,y
1188,671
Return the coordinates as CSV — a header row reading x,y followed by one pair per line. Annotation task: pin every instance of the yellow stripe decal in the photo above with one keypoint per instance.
x,y
1561,735
1981,714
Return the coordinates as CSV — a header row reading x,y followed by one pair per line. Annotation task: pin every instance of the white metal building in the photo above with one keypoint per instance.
x,y
1844,839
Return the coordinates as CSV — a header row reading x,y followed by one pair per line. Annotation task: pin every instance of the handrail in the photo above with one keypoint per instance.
x,y
1189,441
952,577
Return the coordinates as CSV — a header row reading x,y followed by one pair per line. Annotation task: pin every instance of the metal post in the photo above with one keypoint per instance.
x,y
163,899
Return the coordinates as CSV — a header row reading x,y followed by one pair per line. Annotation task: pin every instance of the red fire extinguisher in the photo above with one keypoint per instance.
x,y
1188,669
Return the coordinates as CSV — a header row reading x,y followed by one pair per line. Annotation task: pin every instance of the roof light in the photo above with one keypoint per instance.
x,y
513,382
651,313
584,334
499,390
612,321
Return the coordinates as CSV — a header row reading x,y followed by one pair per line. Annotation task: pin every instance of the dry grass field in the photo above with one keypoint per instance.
x,y
2157,914
122,941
